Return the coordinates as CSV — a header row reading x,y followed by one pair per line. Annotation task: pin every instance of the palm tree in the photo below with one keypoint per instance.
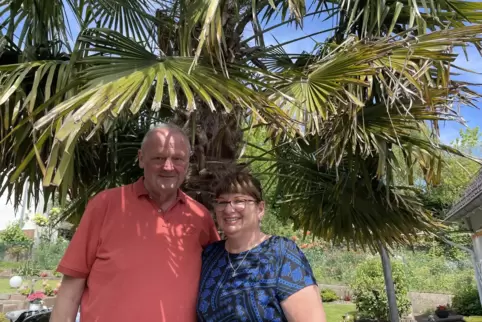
x,y
134,62
338,180
73,111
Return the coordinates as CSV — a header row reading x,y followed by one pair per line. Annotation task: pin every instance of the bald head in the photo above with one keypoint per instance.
x,y
167,128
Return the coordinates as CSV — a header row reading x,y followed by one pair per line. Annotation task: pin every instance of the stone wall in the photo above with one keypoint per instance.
x,y
421,302
13,302
6,273
340,290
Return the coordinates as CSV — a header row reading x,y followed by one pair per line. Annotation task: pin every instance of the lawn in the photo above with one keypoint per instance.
x,y
9,265
335,312
5,287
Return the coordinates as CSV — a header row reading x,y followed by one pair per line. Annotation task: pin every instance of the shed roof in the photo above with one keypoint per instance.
x,y
470,200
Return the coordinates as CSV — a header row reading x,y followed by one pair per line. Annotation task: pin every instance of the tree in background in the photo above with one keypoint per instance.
x,y
48,223
15,240
457,174
469,140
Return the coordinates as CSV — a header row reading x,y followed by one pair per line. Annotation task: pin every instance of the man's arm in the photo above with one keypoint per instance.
x,y
68,299
78,259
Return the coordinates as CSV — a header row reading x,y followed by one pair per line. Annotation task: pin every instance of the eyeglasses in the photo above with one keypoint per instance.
x,y
238,204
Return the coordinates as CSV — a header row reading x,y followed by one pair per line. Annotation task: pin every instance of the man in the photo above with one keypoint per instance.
x,y
136,255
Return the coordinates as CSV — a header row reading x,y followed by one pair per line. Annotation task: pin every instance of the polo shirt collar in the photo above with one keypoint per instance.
x,y
141,190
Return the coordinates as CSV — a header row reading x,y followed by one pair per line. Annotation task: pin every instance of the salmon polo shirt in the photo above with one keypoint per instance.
x,y
140,263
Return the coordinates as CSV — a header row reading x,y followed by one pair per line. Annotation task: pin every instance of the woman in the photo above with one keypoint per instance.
x,y
251,276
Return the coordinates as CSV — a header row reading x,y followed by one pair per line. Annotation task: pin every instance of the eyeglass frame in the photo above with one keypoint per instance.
x,y
230,202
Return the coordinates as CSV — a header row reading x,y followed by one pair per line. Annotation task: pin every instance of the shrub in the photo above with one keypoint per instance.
x,y
428,272
466,301
369,289
25,291
49,290
27,269
333,265
3,249
48,254
15,241
328,295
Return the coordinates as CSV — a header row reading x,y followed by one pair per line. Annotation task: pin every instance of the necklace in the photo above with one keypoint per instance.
x,y
231,264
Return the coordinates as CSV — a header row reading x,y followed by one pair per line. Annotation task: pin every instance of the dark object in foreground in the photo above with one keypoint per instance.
x,y
431,318
443,314
450,318
34,316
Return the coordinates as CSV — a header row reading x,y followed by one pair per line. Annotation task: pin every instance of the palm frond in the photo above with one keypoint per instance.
x,y
125,75
132,18
355,73
37,22
347,205
295,9
208,14
373,18
34,22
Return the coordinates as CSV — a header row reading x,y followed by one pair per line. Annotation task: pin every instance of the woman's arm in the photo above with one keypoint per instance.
x,y
304,306
297,289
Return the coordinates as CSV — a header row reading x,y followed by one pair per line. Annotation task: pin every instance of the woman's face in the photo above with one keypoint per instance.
x,y
238,213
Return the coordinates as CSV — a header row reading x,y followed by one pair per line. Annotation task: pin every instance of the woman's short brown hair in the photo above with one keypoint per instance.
x,y
240,182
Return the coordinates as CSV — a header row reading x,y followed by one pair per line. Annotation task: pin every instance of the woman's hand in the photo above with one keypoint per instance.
x,y
304,306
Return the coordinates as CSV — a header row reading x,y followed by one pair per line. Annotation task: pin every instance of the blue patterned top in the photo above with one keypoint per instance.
x,y
270,273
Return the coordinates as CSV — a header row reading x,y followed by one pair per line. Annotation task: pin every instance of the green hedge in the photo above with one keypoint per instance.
x,y
466,301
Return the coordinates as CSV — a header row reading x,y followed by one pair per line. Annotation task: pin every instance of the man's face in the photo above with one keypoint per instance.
x,y
165,160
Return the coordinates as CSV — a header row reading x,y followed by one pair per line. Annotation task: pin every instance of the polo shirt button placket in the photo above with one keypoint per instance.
x,y
162,214
158,210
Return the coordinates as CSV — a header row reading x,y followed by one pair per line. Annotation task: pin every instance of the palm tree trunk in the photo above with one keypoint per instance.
x,y
217,139
390,287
